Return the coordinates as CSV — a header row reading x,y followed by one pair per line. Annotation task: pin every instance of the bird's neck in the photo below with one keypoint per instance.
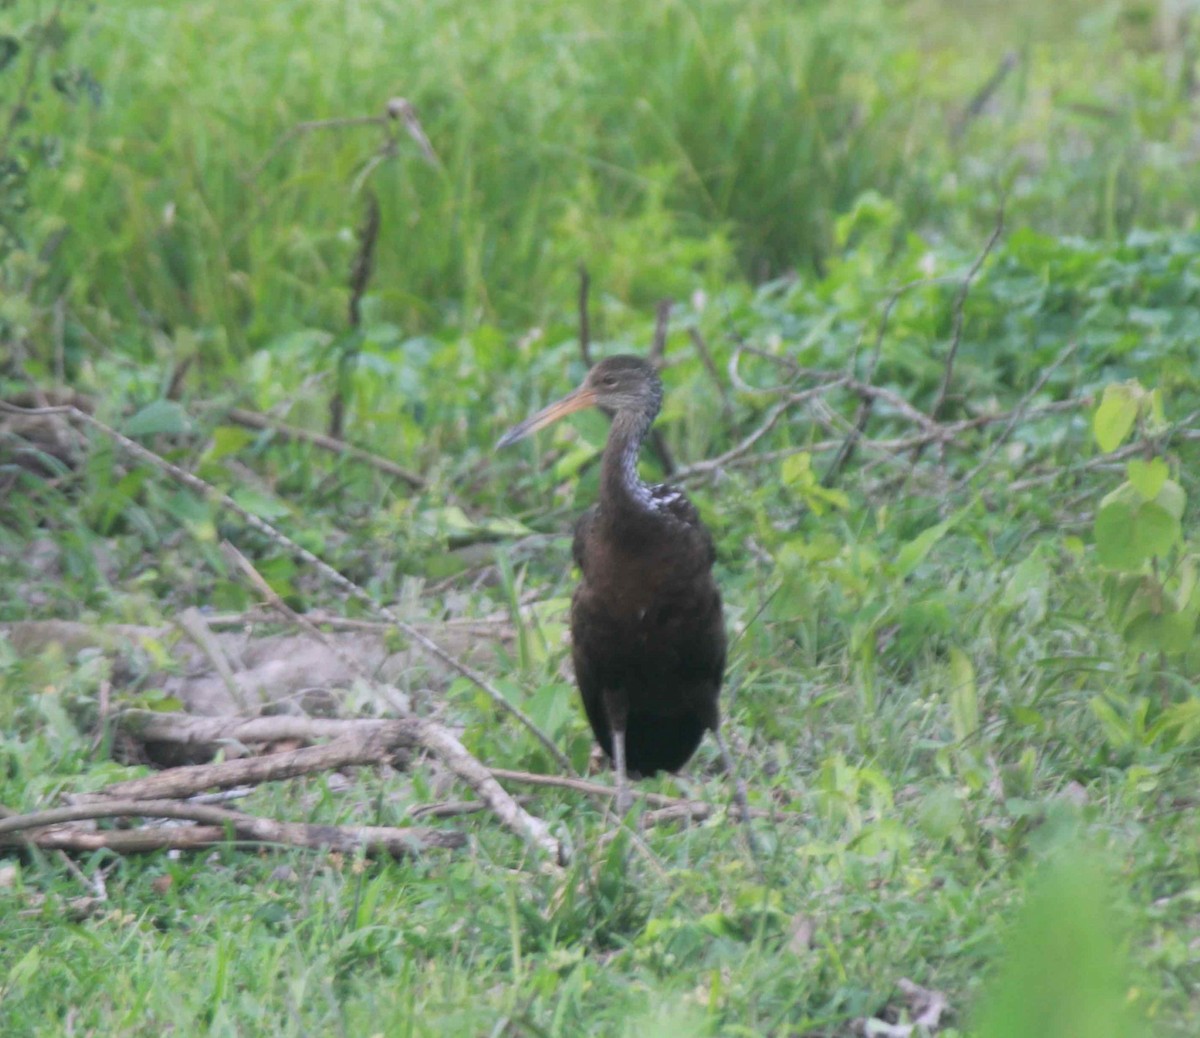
x,y
623,495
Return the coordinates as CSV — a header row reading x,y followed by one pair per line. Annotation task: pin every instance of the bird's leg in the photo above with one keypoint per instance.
x,y
617,710
739,792
624,799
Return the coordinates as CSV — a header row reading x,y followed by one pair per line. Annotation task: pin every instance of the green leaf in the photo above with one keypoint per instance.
x,y
228,439
1127,535
1147,477
1171,498
796,469
1115,416
1168,632
964,699
160,416
260,503
912,554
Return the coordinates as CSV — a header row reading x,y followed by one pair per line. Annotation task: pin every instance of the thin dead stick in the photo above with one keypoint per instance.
x,y
456,808
662,321
193,624
984,94
397,109
455,756
1181,430
386,692
940,433
604,793
768,423
959,313
585,327
710,366
346,585
346,838
1018,413
262,422
497,626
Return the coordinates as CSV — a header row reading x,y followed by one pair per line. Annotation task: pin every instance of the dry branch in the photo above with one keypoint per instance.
x,y
710,366
959,311
345,838
594,789
662,322
585,325
360,742
361,748
262,422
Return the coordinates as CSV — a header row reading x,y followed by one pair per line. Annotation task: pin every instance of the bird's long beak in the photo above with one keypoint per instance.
x,y
576,401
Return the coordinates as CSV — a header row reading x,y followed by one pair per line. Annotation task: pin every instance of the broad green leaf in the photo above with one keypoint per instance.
x,y
1127,535
912,554
796,469
1148,477
1172,498
228,439
1168,632
160,416
1183,718
1116,728
964,699
1115,416
260,503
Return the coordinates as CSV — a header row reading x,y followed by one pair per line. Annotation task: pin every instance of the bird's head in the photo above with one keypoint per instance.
x,y
615,385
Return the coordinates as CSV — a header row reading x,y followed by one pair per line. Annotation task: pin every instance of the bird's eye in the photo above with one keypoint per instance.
x,y
609,380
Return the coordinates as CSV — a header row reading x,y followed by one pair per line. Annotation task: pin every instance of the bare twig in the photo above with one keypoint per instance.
x,y
391,695
710,366
959,312
360,277
939,433
364,259
662,321
255,420
193,624
1017,414
765,426
585,332
603,793
345,838
867,402
984,94
463,764
397,109
1181,430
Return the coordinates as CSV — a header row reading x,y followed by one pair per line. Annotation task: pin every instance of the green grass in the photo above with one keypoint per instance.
x,y
665,146
931,675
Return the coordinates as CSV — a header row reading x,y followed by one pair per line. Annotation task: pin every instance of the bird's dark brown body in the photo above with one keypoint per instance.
x,y
648,637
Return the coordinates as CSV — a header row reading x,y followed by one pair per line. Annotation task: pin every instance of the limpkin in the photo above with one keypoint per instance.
x,y
647,632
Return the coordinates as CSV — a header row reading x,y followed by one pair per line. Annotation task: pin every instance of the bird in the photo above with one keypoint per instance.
x,y
647,628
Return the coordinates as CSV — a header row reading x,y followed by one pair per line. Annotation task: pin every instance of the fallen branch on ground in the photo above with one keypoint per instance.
x,y
218,823
361,742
